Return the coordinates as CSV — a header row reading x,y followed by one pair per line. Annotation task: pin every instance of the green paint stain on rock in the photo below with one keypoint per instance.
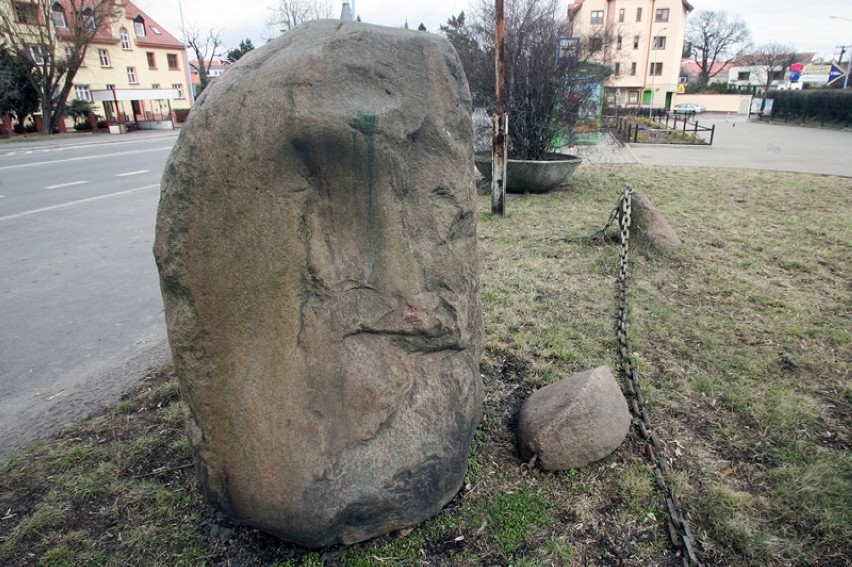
x,y
366,125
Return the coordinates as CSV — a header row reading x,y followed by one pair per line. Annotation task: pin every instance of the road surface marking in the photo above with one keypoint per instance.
x,y
133,173
66,160
61,185
77,202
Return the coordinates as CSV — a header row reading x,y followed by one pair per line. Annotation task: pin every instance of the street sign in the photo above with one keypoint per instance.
x,y
835,73
568,49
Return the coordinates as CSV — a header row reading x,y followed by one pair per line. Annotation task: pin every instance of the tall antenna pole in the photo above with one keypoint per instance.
x,y
189,88
499,145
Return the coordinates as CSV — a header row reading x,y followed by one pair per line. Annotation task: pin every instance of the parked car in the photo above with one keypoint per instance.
x,y
688,108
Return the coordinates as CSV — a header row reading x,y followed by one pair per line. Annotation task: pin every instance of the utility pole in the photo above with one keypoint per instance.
x,y
189,86
499,143
849,63
844,48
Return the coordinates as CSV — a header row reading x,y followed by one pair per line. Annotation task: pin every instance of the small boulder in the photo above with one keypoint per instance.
x,y
650,228
574,422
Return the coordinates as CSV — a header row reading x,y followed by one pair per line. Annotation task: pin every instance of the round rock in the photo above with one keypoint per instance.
x,y
574,422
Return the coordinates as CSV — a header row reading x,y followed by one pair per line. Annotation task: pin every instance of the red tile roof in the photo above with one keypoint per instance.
x,y
155,34
693,68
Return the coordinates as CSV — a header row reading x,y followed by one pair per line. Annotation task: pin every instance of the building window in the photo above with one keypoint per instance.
x,y
657,69
109,87
636,42
38,53
618,42
659,42
89,20
621,16
155,86
131,75
152,59
743,75
617,69
597,16
595,44
179,88
82,92
638,14
26,13
57,12
156,30
103,55
662,15
633,69
172,60
139,26
125,39
776,76
633,97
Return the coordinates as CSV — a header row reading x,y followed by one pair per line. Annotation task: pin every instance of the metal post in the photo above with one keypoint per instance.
x,y
191,91
712,133
499,145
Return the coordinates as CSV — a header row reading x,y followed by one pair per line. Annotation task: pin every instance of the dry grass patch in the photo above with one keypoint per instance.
x,y
743,343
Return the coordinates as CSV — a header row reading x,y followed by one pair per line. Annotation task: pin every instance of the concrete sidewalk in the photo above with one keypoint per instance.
x,y
741,144
20,143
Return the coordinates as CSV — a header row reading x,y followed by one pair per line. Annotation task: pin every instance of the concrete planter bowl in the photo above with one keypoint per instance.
x,y
528,176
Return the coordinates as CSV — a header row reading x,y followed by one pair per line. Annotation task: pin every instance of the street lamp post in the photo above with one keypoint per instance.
x,y
654,69
191,92
848,63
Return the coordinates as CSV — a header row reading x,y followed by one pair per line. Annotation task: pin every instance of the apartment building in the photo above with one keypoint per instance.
x,y
134,70
644,47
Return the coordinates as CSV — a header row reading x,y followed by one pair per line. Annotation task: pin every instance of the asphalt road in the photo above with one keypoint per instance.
x,y
80,305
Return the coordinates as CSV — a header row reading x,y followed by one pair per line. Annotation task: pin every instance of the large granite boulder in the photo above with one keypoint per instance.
x,y
316,241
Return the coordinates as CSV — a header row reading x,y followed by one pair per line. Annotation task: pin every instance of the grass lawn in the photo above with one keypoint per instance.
x,y
743,342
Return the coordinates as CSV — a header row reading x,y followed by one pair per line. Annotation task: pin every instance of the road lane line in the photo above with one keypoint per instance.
x,y
61,185
39,163
77,202
133,173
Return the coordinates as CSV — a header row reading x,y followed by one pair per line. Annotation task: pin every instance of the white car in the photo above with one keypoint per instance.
x,y
688,108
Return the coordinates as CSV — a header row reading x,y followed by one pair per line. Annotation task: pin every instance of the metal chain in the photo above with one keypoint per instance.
x,y
652,448
599,234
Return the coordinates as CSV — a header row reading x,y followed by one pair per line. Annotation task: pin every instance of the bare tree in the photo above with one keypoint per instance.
x,y
545,96
290,13
715,39
55,36
204,49
771,61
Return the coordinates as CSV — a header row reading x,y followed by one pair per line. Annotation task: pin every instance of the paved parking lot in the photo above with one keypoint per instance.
x,y
745,144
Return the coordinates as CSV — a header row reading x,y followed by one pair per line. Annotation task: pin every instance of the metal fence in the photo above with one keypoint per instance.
x,y
630,129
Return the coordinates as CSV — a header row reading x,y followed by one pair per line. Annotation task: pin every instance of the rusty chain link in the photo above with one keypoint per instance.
x,y
652,448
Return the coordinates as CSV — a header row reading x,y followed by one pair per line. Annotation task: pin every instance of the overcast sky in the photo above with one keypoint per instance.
x,y
804,25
